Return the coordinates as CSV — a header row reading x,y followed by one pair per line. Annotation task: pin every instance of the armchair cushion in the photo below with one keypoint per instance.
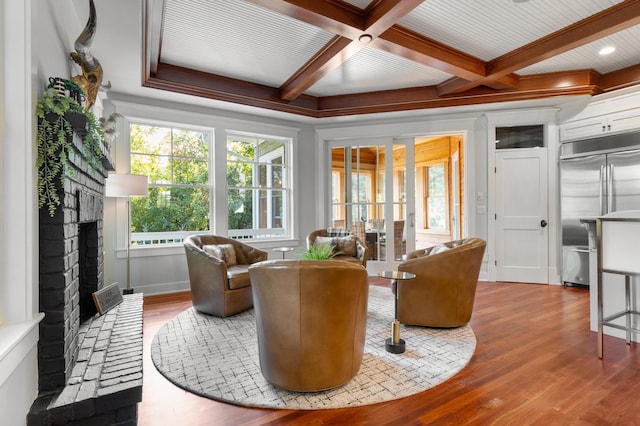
x,y
224,252
238,276
440,248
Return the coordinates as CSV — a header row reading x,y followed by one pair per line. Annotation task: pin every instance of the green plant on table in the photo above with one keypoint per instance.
x,y
319,252
55,143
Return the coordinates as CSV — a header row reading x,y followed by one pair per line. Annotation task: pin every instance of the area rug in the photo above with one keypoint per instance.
x,y
218,358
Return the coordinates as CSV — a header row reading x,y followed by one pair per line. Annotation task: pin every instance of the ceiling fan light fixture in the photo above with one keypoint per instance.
x,y
607,50
365,38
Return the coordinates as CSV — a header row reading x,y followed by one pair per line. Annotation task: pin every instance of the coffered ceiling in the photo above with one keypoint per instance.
x,y
329,58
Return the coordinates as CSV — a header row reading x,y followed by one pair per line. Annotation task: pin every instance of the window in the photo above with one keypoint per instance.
x,y
361,190
258,186
436,197
520,137
176,160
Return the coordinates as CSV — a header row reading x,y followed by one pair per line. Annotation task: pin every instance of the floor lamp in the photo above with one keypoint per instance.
x,y
127,186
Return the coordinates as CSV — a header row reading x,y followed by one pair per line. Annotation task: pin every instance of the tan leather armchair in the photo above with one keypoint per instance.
x,y
443,292
219,286
360,256
311,318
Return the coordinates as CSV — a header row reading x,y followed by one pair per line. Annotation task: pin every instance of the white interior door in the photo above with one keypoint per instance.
x,y
522,237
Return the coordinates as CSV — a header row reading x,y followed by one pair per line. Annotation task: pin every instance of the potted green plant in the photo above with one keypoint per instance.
x,y
58,117
319,252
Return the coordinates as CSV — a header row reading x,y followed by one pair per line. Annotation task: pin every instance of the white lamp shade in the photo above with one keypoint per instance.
x,y
123,185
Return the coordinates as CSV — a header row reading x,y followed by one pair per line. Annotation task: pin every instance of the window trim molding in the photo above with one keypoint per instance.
x,y
210,132
286,152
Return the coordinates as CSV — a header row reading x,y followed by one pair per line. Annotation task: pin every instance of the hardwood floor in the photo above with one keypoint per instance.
x,y
535,363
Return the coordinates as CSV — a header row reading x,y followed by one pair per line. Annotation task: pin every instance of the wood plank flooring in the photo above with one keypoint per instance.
x,y
535,364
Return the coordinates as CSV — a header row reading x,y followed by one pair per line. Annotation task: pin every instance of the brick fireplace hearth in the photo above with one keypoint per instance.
x,y
89,367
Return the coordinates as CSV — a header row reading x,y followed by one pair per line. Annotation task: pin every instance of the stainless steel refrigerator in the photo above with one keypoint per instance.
x,y
597,176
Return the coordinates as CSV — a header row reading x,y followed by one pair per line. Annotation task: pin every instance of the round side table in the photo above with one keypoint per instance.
x,y
395,344
283,250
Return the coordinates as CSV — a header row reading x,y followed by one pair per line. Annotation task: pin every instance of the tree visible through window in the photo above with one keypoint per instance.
x,y
177,164
257,186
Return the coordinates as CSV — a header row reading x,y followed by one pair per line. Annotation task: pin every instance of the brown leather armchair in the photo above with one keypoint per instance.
x,y
311,318
220,287
443,292
361,252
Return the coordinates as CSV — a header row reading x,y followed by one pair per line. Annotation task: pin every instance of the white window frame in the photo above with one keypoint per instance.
x,y
287,182
156,239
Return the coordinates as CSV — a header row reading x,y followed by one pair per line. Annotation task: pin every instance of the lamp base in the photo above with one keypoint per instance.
x,y
127,291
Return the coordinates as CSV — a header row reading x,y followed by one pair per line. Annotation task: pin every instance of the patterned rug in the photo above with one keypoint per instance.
x,y
218,358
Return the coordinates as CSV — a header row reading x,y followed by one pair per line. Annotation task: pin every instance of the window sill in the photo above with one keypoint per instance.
x,y
16,341
178,249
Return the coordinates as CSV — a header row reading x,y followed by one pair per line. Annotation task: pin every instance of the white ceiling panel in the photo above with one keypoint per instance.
x,y
371,70
479,27
237,39
585,57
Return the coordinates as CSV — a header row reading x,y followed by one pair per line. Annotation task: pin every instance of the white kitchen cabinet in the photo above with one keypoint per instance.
x,y
609,113
583,129
618,122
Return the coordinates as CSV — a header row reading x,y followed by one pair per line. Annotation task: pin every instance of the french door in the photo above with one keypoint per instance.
x,y
372,187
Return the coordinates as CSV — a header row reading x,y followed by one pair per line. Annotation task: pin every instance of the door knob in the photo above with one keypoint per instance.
x,y
543,223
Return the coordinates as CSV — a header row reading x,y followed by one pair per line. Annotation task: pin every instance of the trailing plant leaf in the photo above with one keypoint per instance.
x,y
55,144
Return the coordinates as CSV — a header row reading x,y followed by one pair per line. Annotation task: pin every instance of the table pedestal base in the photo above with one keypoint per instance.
x,y
394,348
395,344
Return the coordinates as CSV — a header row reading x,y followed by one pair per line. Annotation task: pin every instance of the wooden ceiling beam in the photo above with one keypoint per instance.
x,y
197,83
621,78
384,14
335,17
379,18
333,54
610,21
459,85
427,97
476,82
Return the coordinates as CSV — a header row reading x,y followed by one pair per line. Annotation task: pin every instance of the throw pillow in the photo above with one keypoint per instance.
x,y
337,232
224,252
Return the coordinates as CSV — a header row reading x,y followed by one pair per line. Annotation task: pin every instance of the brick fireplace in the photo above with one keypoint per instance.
x,y
89,367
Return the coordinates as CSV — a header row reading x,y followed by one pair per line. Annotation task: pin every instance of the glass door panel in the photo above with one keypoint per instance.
x,y
358,192
364,195
397,231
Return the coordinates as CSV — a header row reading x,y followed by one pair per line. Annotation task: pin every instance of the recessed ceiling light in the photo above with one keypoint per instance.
x,y
607,50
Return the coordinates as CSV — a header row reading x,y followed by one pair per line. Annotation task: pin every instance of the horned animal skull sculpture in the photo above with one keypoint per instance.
x,y
91,78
